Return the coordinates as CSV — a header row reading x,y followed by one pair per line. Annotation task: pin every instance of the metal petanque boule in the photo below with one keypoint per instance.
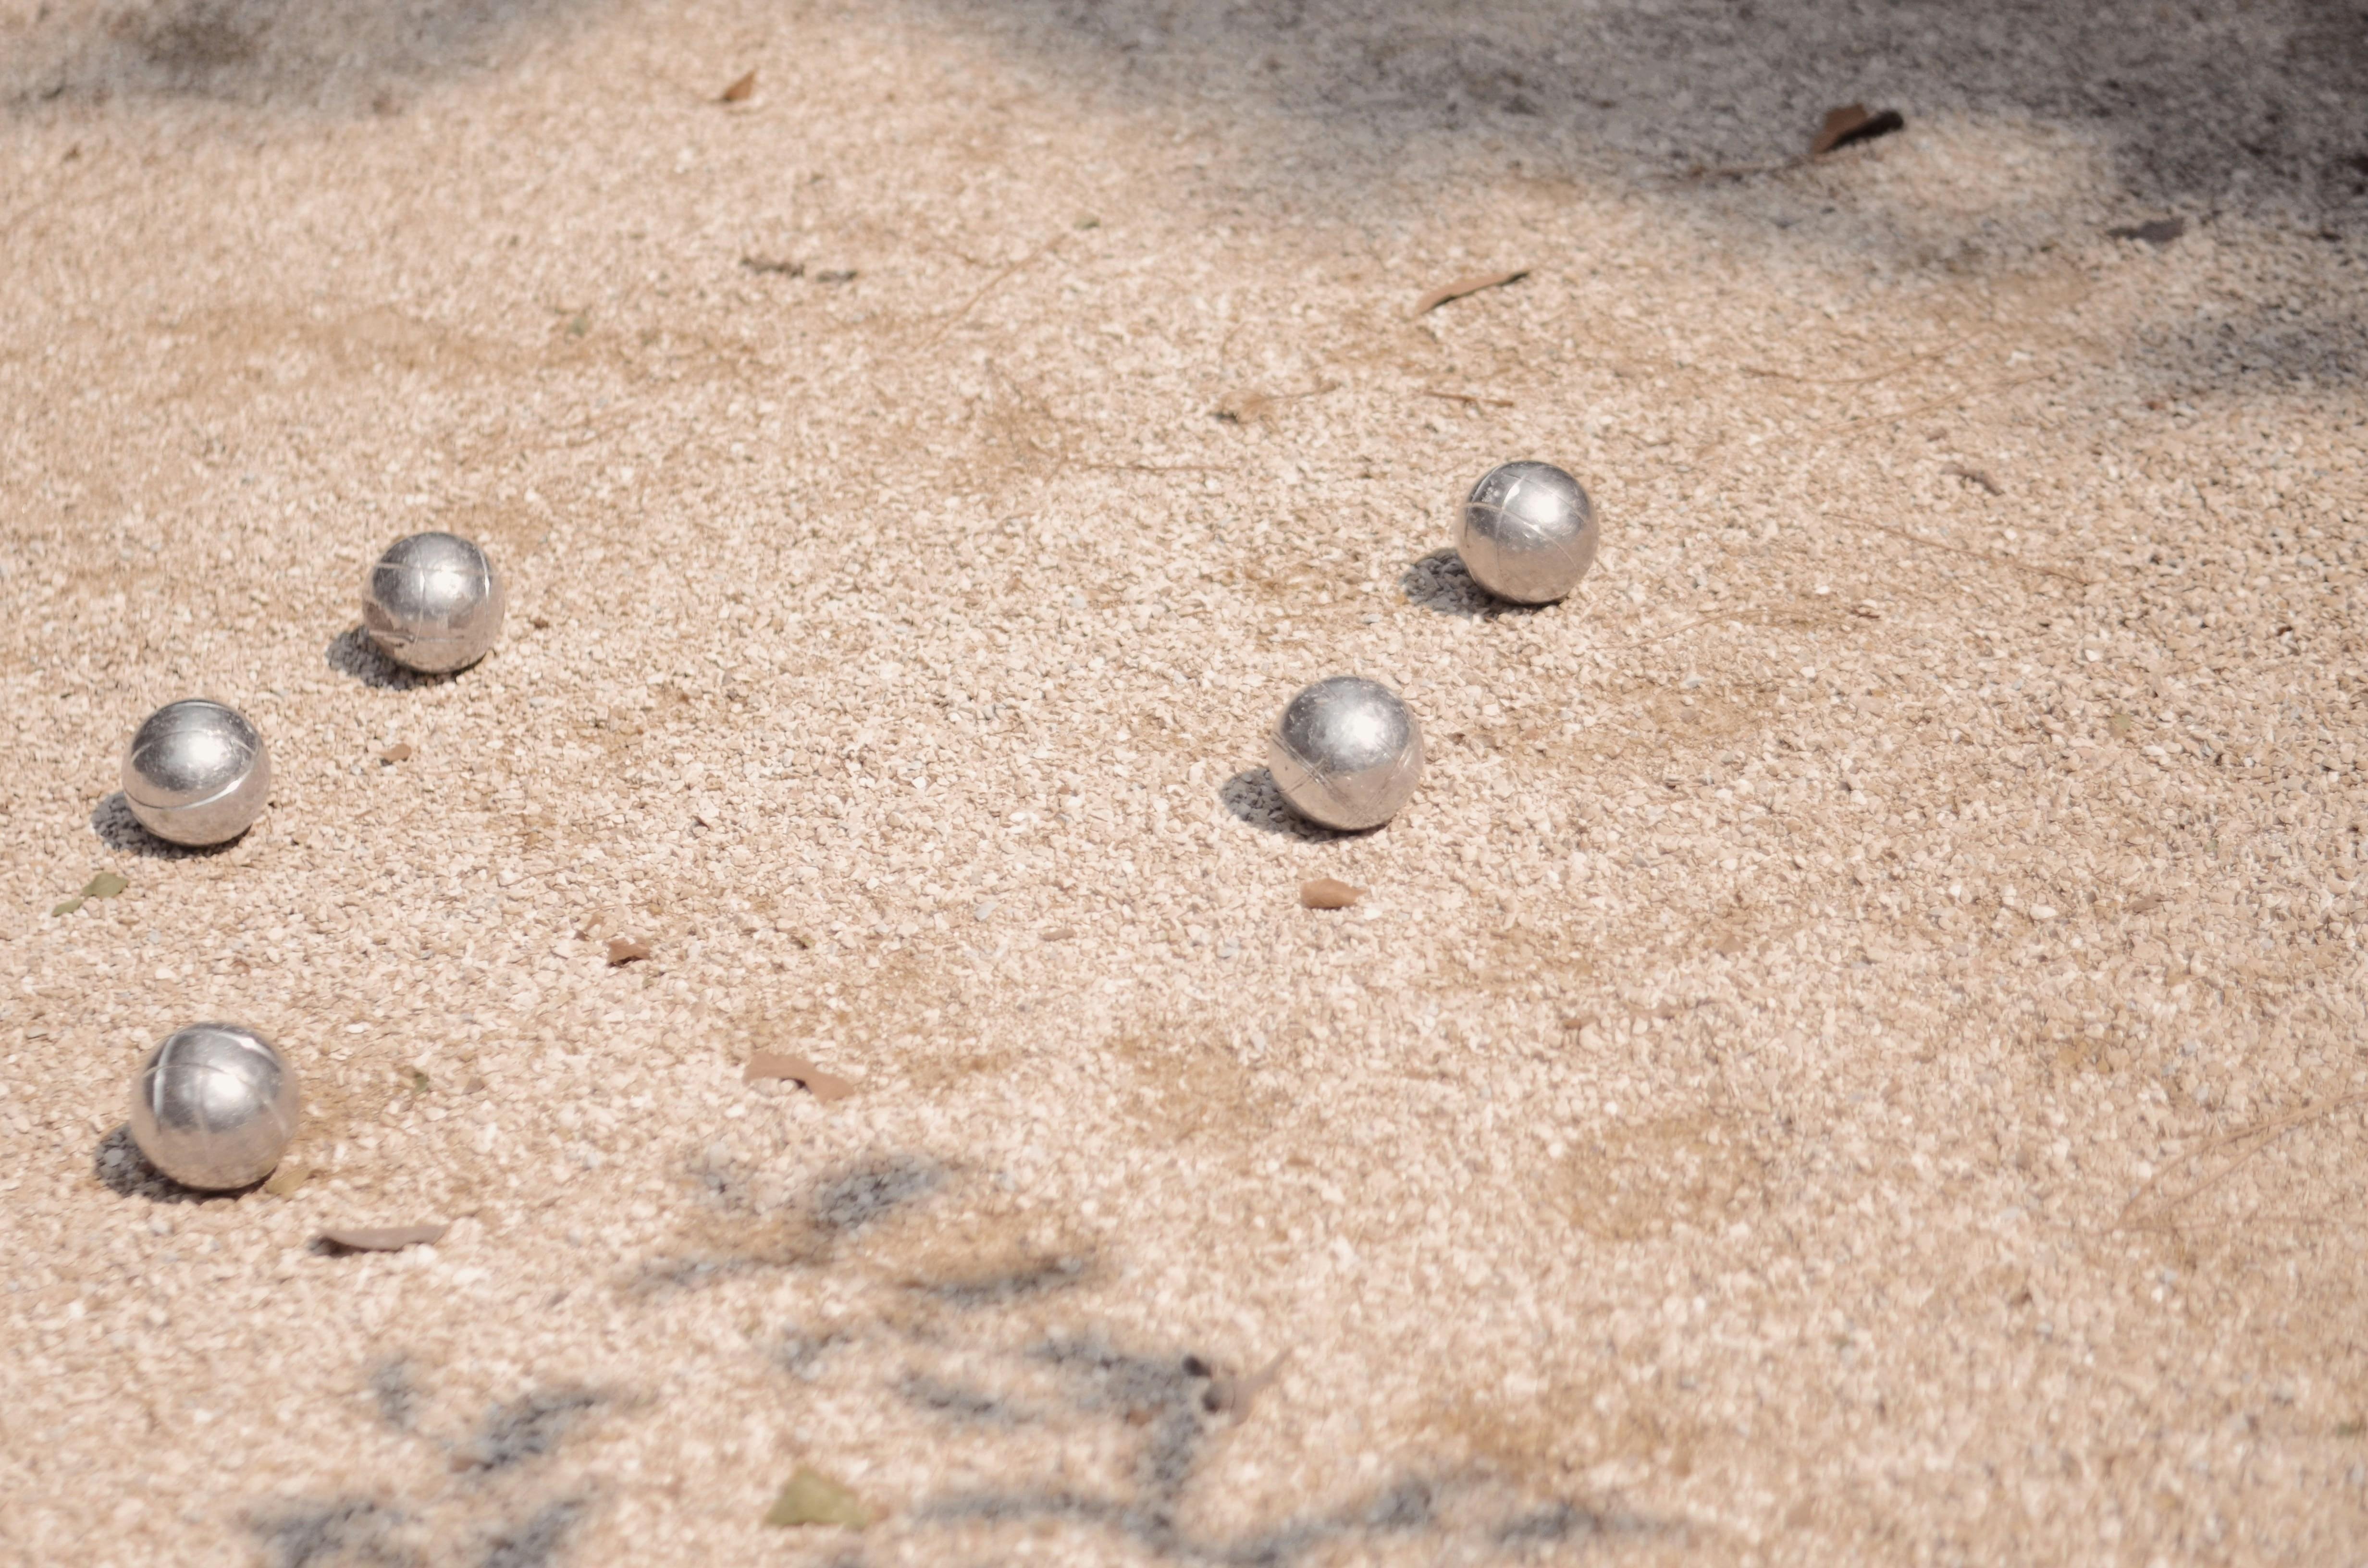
x,y
433,603
1346,754
1526,532
214,1106
197,773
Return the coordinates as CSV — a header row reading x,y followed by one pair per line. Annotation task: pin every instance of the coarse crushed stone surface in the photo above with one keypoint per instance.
x,y
1853,1054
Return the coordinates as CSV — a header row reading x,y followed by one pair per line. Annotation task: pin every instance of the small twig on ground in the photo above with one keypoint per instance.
x,y
1938,403
2067,575
988,287
1928,354
1462,285
2260,1135
1466,397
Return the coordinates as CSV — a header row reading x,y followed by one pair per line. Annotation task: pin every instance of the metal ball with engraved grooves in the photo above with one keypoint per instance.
x,y
214,1106
1527,533
1346,753
197,772
433,602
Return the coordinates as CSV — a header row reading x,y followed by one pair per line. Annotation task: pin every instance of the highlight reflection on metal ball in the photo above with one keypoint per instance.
x,y
433,602
1345,752
214,1105
197,772
1527,532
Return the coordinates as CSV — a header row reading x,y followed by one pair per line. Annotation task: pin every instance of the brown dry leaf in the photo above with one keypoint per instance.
x,y
2121,724
1329,893
1972,476
1852,123
1059,933
627,949
385,1238
1462,285
2157,234
740,91
1237,1394
822,1085
399,752
292,1175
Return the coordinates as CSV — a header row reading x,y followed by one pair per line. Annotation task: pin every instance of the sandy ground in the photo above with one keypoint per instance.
x,y
1853,1054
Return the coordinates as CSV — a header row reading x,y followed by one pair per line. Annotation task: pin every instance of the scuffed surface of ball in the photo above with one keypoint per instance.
x,y
1527,532
214,1106
197,772
1346,754
433,603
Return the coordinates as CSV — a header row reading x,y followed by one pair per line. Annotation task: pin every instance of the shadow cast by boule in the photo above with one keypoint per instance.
x,y
1250,796
351,652
1439,584
121,831
125,1171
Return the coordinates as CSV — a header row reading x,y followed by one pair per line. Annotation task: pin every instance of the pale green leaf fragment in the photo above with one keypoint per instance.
x,y
813,1498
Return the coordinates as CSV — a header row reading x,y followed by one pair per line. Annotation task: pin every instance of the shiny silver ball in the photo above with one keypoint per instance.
x,y
213,1107
1345,752
197,772
433,602
1527,532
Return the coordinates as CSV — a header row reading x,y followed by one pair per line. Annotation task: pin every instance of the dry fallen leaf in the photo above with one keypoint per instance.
x,y
1850,123
1059,933
1462,285
822,1085
1329,893
626,950
813,1498
773,264
1972,476
2157,234
2121,724
292,1175
399,752
740,91
1237,1394
386,1238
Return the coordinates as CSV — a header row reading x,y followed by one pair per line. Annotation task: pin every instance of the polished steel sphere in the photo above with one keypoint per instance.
x,y
197,773
433,602
1345,752
1527,532
213,1107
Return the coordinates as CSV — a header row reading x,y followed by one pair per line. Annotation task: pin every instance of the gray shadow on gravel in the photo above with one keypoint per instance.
x,y
125,1171
352,654
356,57
2198,103
1167,1410
1438,583
1250,796
345,1529
117,828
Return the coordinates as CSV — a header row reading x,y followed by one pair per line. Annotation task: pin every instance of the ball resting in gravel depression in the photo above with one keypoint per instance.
x,y
197,772
1526,532
1346,754
214,1106
433,603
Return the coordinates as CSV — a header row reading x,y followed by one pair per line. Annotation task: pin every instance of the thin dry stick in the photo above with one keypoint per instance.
x,y
1465,397
990,285
1938,403
1945,349
2262,1134
1961,549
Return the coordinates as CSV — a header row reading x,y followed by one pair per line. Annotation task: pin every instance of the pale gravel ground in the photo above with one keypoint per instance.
x,y
1852,1055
